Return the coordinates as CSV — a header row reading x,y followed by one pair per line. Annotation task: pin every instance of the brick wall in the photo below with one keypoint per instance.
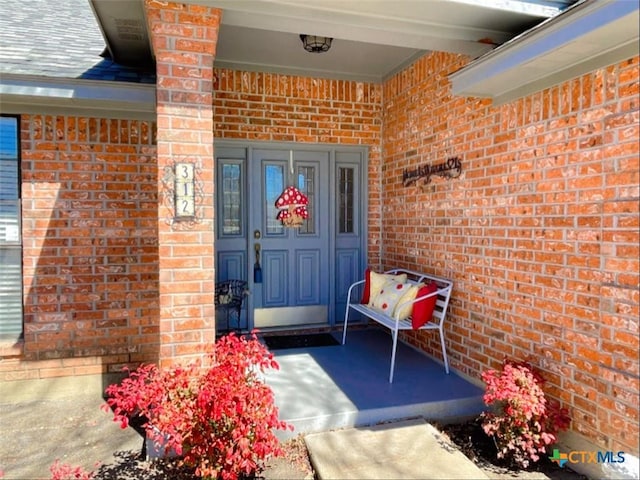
x,y
90,247
99,246
540,233
284,108
184,39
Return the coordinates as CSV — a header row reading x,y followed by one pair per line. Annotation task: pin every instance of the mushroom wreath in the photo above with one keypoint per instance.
x,y
292,206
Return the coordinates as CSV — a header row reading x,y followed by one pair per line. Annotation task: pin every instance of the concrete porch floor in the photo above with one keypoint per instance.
x,y
324,388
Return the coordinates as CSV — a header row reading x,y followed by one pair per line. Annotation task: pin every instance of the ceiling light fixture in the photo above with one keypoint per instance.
x,y
316,44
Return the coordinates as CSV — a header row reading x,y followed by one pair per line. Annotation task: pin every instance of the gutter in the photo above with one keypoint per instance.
x,y
589,35
21,94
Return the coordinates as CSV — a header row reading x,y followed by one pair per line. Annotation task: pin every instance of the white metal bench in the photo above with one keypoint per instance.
x,y
393,323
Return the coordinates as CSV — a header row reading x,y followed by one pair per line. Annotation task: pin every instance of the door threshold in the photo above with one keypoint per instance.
x,y
294,329
284,329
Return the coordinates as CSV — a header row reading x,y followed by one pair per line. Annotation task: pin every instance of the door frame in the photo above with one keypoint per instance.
x,y
249,146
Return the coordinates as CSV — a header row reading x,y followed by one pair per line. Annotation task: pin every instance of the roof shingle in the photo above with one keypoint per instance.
x,y
59,39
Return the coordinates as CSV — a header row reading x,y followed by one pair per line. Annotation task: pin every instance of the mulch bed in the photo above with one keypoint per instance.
x,y
480,448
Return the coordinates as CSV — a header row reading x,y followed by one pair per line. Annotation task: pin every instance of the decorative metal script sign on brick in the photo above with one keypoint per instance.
x,y
452,168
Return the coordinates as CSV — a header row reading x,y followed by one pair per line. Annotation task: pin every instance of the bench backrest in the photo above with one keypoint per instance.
x,y
445,286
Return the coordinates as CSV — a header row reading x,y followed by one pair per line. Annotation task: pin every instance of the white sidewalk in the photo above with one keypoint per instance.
x,y
411,449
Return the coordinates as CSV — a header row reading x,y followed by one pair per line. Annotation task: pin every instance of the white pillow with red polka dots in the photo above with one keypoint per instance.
x,y
386,299
375,281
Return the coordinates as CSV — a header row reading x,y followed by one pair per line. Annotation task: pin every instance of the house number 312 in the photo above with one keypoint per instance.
x,y
185,190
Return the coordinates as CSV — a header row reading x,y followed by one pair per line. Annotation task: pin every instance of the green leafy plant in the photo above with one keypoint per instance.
x,y
218,420
522,420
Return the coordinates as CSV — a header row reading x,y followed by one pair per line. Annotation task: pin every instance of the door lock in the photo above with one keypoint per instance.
x,y
257,234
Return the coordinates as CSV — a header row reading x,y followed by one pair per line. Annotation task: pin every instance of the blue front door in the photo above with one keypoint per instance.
x,y
294,262
296,276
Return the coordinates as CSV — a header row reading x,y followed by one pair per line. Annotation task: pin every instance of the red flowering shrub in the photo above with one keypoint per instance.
x,y
62,471
523,422
218,420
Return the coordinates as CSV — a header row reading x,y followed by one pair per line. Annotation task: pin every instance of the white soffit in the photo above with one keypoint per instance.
x,y
373,39
590,35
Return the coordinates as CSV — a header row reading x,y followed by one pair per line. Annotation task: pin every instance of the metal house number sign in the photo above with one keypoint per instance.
x,y
185,190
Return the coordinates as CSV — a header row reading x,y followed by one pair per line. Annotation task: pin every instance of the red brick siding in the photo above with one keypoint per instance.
x,y
284,108
184,42
90,247
540,233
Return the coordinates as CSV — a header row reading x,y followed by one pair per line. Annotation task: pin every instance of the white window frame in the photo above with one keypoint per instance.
x,y
11,273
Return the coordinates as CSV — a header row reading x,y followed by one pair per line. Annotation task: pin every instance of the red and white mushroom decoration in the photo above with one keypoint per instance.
x,y
292,206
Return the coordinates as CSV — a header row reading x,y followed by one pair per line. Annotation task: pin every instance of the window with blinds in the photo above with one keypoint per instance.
x,y
10,231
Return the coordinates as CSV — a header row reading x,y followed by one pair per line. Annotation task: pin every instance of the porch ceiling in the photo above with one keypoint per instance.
x,y
373,39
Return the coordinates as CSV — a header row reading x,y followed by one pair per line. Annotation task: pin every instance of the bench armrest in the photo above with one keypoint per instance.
x,y
353,285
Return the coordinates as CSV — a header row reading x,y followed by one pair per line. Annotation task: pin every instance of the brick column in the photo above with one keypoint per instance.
x,y
184,42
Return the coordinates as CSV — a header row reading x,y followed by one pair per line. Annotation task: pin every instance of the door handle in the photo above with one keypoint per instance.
x,y
257,269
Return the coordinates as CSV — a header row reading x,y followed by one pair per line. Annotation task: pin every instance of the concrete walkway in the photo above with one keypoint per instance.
x,y
74,430
411,449
319,389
